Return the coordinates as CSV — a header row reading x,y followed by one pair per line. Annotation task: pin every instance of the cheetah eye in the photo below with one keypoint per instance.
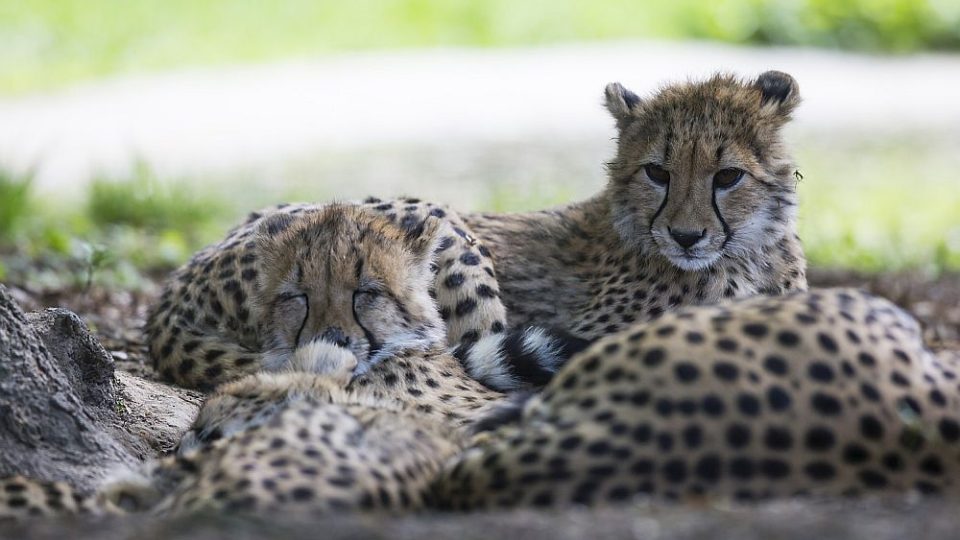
x,y
366,296
657,174
292,297
726,178
292,308
369,291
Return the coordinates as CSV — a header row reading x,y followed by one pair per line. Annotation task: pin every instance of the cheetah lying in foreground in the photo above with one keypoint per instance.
x,y
829,392
822,393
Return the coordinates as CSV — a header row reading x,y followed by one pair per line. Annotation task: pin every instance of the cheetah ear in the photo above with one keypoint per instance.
x,y
272,237
271,230
275,224
620,101
778,91
424,239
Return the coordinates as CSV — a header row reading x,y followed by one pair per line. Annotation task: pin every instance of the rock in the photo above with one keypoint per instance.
x,y
155,414
87,366
65,413
48,429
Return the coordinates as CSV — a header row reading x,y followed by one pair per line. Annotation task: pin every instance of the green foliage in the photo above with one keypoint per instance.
x,y
881,206
95,258
144,202
509,197
872,206
128,228
14,202
870,25
49,42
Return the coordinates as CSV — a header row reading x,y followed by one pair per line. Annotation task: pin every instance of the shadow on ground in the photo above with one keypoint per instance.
x,y
821,519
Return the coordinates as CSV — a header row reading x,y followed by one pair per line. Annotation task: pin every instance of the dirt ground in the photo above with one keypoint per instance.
x,y
875,519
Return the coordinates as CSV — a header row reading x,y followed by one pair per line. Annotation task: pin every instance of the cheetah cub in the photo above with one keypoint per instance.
x,y
249,302
700,206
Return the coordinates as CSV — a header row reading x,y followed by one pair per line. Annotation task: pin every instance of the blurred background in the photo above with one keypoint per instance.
x,y
133,132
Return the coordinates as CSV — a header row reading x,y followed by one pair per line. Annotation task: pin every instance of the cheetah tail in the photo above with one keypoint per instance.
x,y
22,498
142,489
507,412
519,358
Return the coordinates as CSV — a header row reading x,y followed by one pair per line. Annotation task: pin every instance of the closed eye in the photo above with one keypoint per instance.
x,y
286,297
369,291
292,304
365,297
370,287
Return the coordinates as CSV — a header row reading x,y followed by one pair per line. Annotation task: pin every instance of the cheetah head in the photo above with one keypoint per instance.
x,y
701,172
346,276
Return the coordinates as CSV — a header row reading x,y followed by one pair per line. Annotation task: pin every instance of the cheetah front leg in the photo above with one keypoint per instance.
x,y
466,289
468,297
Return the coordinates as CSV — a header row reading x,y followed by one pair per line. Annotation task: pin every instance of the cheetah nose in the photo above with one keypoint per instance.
x,y
336,336
686,239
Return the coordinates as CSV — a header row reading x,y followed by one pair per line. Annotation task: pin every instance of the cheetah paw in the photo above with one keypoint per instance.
x,y
324,358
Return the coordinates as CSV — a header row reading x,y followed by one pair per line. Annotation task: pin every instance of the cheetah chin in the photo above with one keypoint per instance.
x,y
693,263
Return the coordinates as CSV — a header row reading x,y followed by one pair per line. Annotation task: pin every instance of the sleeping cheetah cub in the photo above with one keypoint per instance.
x,y
247,303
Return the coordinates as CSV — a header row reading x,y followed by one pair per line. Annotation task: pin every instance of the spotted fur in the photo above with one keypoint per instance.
x,y
22,497
247,303
829,392
596,267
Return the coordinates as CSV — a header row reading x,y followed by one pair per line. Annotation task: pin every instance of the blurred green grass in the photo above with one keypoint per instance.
x,y
14,196
128,230
47,43
870,206
881,205
147,202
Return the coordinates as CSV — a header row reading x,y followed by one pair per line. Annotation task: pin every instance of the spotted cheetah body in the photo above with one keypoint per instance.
x,y
827,393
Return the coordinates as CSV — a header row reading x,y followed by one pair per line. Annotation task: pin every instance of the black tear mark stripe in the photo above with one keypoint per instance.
x,y
666,160
666,146
727,233
306,317
373,346
358,268
663,204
